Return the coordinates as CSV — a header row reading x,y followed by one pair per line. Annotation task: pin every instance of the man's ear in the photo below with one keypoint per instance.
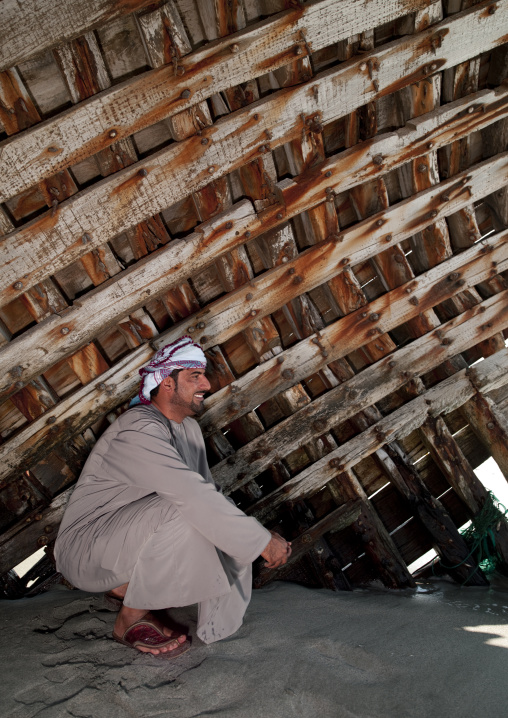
x,y
168,384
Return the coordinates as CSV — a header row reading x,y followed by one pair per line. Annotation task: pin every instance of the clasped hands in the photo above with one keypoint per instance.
x,y
277,552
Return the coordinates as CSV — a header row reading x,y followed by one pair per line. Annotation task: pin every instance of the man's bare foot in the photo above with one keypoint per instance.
x,y
127,617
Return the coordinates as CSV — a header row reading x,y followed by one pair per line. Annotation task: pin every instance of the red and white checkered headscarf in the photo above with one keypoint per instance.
x,y
182,354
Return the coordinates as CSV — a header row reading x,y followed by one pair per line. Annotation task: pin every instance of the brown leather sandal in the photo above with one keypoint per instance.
x,y
146,634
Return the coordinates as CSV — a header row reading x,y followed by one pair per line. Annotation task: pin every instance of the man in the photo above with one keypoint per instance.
x,y
147,524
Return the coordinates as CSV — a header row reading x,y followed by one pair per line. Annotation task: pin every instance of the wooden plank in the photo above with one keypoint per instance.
x,y
29,28
76,413
47,343
143,101
42,346
445,396
363,390
91,217
489,424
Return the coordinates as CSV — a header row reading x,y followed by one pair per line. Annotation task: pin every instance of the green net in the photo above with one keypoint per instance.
x,y
480,538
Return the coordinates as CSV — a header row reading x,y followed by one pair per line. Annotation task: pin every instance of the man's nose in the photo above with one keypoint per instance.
x,y
204,383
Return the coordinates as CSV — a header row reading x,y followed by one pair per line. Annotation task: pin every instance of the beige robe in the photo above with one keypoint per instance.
x,y
146,512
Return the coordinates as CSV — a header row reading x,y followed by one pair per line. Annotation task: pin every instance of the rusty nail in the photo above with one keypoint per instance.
x,y
101,386
344,261
328,174
379,223
51,420
422,168
248,296
378,159
52,149
200,325
490,425
180,70
256,116
433,214
203,340
373,317
86,238
205,141
234,48
42,541
279,215
113,134
388,238
445,197
430,145
329,190
324,354
48,529
263,148
280,360
306,538
297,280
492,9
142,173
253,312
211,169
291,270
392,364
64,330
19,385
453,276
364,314
191,330
470,110
18,285
247,234
288,373
185,94
229,225
433,66
460,283
414,300
298,50
363,66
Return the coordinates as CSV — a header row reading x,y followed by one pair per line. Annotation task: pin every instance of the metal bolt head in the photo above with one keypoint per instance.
x,y
18,285
200,325
248,297
388,238
430,145
287,373
298,50
229,225
422,168
470,110
64,330
490,425
379,223
492,9
113,134
344,261
378,159
142,173
445,197
363,66
247,234
279,215
433,66
328,174
205,141
211,169
433,214
253,312
180,70
185,94
234,47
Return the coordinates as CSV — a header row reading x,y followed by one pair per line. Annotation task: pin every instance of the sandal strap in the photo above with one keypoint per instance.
x,y
147,634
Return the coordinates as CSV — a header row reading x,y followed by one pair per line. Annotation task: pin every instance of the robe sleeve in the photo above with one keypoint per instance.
x,y
144,457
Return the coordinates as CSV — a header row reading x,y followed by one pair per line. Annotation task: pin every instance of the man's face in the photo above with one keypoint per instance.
x,y
190,390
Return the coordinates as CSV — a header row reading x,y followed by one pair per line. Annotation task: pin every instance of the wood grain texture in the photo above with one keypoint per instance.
x,y
142,101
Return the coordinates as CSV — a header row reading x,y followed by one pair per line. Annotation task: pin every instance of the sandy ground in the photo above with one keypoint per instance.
x,y
437,651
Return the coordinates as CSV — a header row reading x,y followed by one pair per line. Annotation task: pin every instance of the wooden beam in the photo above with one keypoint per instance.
x,y
446,396
347,334
90,218
44,345
362,390
453,464
162,93
82,409
490,425
29,28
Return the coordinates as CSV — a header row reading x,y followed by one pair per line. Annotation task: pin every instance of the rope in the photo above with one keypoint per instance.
x,y
480,537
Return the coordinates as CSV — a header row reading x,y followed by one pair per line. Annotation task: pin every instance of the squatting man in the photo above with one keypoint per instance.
x,y
147,525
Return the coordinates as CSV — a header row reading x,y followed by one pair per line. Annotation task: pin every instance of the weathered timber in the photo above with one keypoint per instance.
x,y
43,346
378,543
30,28
115,386
449,458
35,531
337,520
364,389
153,96
57,240
448,542
446,396
349,333
490,425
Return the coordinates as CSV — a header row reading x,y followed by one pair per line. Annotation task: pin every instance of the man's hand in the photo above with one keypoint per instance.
x,y
277,552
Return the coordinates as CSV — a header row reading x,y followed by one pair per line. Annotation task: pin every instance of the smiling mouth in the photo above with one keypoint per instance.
x,y
199,397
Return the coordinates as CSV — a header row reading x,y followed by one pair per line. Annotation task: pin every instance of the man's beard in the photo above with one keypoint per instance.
x,y
196,407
